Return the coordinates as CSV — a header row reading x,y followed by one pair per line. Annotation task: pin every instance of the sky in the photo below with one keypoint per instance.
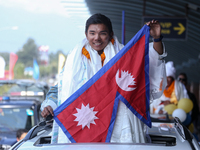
x,y
47,22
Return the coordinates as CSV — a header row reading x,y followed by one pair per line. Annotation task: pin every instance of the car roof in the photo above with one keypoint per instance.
x,y
23,88
39,136
20,102
26,83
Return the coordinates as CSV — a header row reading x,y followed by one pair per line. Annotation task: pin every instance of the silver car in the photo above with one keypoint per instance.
x,y
161,136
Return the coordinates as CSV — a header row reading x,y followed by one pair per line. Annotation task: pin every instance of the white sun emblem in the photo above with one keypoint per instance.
x,y
126,81
85,116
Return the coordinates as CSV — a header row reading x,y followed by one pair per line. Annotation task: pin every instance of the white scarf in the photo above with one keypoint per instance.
x,y
79,69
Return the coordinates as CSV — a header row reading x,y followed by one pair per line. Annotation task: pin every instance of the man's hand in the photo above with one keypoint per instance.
x,y
166,102
155,28
47,110
155,32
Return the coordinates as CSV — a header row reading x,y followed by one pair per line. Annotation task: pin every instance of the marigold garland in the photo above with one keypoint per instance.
x,y
85,52
112,41
103,56
168,92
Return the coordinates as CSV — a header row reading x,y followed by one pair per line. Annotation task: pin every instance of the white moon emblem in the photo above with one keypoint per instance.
x,y
125,81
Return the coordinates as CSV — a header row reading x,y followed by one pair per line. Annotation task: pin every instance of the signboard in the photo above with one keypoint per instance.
x,y
171,28
43,53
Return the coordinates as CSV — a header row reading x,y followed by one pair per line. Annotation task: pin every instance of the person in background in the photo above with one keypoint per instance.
x,y
182,77
21,133
173,92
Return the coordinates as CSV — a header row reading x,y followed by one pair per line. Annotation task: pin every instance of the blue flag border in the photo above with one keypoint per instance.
x,y
143,31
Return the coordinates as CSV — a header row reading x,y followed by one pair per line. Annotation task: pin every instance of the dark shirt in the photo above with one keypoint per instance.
x,y
195,110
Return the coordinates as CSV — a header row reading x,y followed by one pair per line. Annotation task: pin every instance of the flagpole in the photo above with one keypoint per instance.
x,y
123,27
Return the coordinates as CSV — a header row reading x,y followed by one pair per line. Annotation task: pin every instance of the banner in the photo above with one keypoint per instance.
x,y
13,60
2,67
36,70
43,54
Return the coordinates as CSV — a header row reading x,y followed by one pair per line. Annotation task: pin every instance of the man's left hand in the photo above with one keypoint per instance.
x,y
155,28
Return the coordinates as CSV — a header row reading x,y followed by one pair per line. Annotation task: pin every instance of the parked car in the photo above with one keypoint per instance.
x,y
20,102
173,136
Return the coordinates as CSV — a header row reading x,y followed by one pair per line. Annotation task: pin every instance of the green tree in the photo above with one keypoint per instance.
x,y
19,71
28,53
51,69
53,60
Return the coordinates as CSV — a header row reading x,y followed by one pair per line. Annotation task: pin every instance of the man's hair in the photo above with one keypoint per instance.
x,y
99,19
20,132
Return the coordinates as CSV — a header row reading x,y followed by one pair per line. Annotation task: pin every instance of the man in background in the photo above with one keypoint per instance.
x,y
21,133
195,111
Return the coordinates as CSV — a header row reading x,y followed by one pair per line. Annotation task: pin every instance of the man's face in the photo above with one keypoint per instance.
x,y
169,81
98,36
182,79
22,136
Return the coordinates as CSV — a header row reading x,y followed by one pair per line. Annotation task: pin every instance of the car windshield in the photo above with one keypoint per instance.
x,y
13,119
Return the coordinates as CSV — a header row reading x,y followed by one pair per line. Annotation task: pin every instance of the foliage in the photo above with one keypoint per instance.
x,y
52,68
28,53
19,71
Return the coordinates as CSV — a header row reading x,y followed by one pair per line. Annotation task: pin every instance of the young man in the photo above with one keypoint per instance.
x,y
99,46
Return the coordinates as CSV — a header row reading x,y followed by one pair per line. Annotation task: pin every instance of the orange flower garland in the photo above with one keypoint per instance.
x,y
103,56
112,41
85,52
168,92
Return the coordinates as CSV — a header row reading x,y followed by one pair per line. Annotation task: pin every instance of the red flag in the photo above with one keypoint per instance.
x,y
89,114
13,60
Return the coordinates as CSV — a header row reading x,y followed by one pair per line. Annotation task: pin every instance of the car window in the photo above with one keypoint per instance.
x,y
13,119
4,88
